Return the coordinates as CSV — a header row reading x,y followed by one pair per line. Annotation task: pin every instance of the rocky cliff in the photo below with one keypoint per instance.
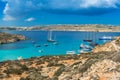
x,y
8,38
109,46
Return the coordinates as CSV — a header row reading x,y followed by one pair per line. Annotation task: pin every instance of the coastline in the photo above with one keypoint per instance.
x,y
72,67
10,38
92,28
84,66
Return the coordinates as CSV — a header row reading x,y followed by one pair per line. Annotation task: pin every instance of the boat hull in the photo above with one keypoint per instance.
x,y
51,40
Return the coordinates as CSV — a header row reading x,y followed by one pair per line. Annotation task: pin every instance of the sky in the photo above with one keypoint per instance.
x,y
42,12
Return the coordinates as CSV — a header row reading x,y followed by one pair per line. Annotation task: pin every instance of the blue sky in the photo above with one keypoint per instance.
x,y
39,12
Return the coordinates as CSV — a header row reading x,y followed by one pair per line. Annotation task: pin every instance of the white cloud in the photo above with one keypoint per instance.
x,y
30,19
8,18
15,9
81,4
99,3
8,15
18,9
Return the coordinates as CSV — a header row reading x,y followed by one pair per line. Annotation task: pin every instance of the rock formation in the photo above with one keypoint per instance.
x,y
108,47
8,38
103,70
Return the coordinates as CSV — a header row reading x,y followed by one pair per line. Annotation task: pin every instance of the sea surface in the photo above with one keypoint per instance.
x,y
67,41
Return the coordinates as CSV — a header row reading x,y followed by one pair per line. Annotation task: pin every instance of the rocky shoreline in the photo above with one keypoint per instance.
x,y
101,65
9,38
112,46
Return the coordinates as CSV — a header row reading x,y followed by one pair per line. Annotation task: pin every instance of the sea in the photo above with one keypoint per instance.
x,y
37,45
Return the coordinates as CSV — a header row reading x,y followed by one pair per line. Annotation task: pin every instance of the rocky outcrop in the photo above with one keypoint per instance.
x,y
108,47
103,70
8,38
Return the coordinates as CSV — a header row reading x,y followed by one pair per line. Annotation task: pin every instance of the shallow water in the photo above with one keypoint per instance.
x,y
67,41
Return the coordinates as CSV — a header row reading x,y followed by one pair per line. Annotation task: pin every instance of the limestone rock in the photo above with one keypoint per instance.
x,y
8,38
103,70
111,46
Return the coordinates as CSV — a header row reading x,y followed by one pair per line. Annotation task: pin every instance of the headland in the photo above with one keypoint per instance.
x,y
9,38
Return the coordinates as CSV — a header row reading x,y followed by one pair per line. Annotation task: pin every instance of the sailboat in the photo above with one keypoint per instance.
x,y
88,36
70,52
50,37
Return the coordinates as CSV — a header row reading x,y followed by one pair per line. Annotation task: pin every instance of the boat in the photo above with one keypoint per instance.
x,y
50,37
37,45
88,37
87,40
106,38
33,42
20,58
93,44
83,51
70,52
46,44
40,51
55,43
87,47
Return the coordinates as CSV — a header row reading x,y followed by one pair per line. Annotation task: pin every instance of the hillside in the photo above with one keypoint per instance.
x,y
101,66
109,46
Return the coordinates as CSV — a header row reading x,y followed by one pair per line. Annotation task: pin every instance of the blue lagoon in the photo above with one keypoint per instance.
x,y
66,41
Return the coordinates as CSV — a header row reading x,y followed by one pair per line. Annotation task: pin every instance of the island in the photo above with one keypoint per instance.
x,y
9,38
68,27
96,65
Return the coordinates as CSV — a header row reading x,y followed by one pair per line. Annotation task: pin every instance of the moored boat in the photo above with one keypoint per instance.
x,y
106,38
20,58
87,47
70,52
50,37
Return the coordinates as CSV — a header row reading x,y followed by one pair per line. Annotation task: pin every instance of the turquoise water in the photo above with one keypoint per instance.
x,y
67,41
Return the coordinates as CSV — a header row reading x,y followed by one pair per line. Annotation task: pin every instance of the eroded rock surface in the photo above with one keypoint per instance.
x,y
108,47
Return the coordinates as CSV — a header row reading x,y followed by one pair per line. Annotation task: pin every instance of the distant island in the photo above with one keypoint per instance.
x,y
68,27
9,38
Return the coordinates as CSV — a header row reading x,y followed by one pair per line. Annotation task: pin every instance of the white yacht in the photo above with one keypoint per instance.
x,y
106,38
20,58
70,52
87,47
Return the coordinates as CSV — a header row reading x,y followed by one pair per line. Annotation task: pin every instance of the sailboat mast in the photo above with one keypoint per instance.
x,y
50,35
